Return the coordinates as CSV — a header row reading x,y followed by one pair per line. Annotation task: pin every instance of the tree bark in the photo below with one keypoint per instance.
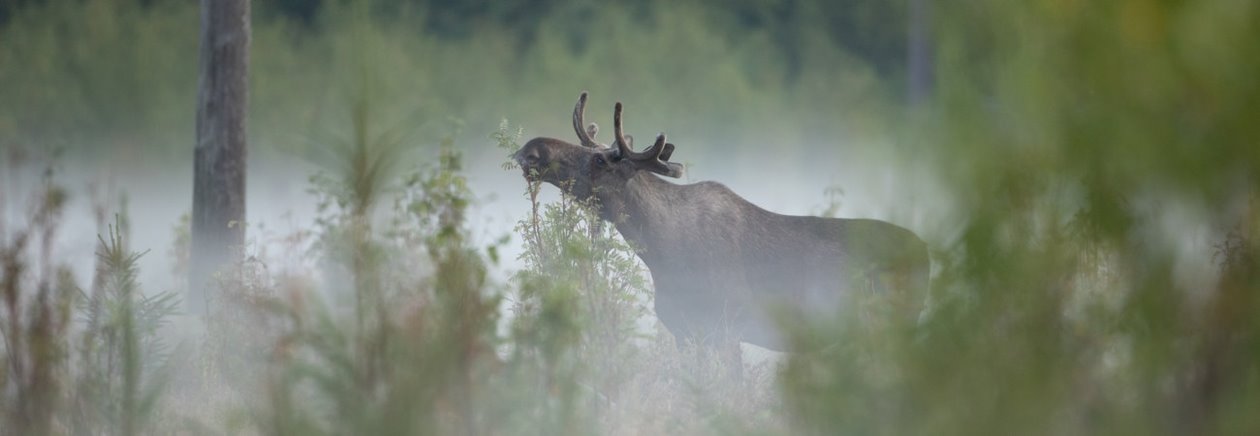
x,y
218,210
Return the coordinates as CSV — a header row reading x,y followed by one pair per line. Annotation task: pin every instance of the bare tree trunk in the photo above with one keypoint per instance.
x,y
919,74
218,211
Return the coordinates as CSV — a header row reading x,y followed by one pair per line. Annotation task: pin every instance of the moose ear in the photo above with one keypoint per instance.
x,y
592,130
667,169
669,150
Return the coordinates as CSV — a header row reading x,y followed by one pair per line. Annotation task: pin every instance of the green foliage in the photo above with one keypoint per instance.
x,y
426,355
123,365
37,315
103,374
423,348
579,276
113,79
1080,145
82,73
1095,249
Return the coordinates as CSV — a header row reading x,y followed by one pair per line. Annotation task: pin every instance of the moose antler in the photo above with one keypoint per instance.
x,y
587,134
654,158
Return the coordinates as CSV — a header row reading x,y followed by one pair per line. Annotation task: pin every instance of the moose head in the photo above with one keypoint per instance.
x,y
582,170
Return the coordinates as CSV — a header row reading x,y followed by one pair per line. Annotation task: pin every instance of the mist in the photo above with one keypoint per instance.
x,y
1084,177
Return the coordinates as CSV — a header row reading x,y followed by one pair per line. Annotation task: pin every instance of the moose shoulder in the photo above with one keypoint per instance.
x,y
718,262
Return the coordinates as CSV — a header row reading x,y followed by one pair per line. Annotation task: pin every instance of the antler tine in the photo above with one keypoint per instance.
x,y
619,136
654,152
654,158
585,134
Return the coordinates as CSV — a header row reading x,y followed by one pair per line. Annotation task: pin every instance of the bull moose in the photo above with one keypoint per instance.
x,y
719,263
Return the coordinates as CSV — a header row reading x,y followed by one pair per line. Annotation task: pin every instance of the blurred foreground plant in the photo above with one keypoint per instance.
x,y
1089,151
123,368
38,300
427,356
113,383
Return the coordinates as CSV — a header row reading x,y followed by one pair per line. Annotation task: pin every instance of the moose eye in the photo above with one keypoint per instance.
x,y
599,160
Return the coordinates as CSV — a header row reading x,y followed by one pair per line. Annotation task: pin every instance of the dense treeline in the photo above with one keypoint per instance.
x,y
119,73
873,30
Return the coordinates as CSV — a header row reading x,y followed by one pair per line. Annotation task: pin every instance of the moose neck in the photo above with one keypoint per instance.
x,y
639,210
